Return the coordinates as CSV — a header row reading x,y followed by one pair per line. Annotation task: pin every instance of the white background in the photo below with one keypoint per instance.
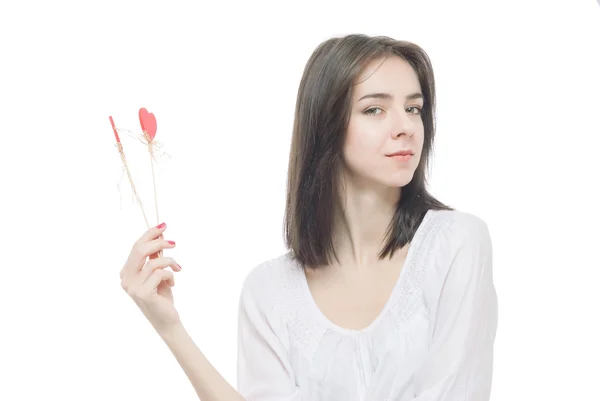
x,y
517,144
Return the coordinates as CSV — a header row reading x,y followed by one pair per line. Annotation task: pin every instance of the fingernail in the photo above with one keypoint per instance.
x,y
161,225
179,266
171,242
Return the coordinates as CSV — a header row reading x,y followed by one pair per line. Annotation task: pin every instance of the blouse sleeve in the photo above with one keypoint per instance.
x,y
264,372
460,359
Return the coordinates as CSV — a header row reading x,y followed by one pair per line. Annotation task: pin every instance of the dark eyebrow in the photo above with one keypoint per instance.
x,y
379,95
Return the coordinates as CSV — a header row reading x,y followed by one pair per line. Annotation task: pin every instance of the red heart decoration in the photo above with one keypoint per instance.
x,y
148,123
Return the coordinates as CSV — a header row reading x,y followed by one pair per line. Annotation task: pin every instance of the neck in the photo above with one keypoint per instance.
x,y
361,223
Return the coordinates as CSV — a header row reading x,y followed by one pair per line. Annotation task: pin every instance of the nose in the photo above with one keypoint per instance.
x,y
401,124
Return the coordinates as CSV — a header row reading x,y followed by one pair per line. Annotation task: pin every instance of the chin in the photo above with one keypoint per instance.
x,y
397,181
384,179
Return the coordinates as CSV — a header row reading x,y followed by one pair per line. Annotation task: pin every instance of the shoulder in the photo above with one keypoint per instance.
x,y
271,283
458,264
457,227
459,237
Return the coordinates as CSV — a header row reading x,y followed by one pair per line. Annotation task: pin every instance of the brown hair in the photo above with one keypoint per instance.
x,y
321,118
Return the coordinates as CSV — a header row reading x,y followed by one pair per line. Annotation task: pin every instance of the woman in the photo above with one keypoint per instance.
x,y
385,293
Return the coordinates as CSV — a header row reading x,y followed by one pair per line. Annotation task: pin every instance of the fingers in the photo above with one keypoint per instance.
x,y
152,233
154,281
141,290
159,253
131,282
141,251
159,263
136,258
149,245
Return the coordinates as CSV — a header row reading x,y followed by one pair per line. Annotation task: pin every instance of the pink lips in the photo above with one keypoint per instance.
x,y
402,155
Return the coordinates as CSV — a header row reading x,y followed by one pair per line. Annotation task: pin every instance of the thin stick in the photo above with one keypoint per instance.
x,y
139,201
124,160
150,150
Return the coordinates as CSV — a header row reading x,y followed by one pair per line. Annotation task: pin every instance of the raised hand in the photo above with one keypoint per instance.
x,y
145,278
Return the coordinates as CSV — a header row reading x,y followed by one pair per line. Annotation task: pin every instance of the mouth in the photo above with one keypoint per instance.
x,y
402,153
402,156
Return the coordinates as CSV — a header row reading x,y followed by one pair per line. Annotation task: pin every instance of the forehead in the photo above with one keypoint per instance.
x,y
392,75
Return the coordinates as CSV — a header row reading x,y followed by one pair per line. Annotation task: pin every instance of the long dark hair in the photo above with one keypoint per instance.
x,y
321,119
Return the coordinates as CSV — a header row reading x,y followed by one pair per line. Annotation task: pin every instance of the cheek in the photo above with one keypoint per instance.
x,y
361,145
363,140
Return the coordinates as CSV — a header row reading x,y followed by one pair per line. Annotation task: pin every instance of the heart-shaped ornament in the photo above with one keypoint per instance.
x,y
148,123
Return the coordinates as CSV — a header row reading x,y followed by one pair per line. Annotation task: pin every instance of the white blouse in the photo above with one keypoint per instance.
x,y
433,340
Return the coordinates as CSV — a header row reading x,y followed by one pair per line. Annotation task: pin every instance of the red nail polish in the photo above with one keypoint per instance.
x,y
161,225
171,242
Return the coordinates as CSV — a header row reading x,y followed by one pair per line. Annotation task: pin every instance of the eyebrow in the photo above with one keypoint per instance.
x,y
380,95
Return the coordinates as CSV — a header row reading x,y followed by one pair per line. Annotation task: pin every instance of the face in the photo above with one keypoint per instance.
x,y
385,135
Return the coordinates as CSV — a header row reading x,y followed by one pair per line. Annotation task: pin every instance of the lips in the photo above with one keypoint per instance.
x,y
405,152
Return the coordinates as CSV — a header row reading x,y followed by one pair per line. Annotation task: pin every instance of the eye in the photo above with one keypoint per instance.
x,y
371,111
419,109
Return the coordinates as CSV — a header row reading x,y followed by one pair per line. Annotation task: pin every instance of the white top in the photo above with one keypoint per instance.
x,y
433,340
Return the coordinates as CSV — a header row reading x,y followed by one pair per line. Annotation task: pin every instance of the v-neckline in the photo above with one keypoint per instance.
x,y
408,264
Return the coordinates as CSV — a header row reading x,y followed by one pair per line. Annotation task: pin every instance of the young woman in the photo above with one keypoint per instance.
x,y
385,293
